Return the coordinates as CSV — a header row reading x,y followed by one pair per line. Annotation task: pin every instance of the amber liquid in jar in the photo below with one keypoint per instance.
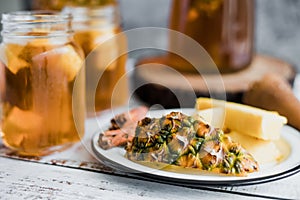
x,y
39,72
95,31
223,27
111,74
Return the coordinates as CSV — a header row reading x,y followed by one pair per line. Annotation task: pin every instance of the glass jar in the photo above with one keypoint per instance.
x,y
98,32
40,65
223,27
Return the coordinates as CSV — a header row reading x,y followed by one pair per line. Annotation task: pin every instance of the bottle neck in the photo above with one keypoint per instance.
x,y
36,24
97,18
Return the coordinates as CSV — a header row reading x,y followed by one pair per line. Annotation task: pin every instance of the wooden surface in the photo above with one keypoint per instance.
x,y
24,180
159,84
80,176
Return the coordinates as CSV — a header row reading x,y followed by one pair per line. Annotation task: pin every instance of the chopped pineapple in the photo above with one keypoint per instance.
x,y
14,62
247,120
63,61
214,116
187,141
18,116
24,128
263,151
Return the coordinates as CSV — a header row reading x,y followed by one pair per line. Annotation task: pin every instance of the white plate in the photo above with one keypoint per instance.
x,y
289,165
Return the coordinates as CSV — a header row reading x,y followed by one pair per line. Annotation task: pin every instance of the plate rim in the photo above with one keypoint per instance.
x,y
243,181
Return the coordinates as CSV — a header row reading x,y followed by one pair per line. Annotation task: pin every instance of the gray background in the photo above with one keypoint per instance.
x,y
277,23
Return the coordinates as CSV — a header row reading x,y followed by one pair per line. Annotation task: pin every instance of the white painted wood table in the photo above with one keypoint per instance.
x,y
76,174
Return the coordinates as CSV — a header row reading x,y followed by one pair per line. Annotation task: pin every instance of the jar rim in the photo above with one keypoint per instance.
x,y
33,16
19,23
84,13
94,17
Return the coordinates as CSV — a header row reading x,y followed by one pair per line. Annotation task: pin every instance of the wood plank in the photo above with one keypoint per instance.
x,y
23,180
27,178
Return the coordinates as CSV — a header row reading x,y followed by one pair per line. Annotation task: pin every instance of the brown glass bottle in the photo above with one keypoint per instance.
x,y
223,27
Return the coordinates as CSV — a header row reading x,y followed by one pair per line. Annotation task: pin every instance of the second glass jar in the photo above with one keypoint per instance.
x,y
98,32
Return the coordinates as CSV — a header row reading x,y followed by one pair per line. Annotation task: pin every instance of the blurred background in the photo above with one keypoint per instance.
x,y
277,22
